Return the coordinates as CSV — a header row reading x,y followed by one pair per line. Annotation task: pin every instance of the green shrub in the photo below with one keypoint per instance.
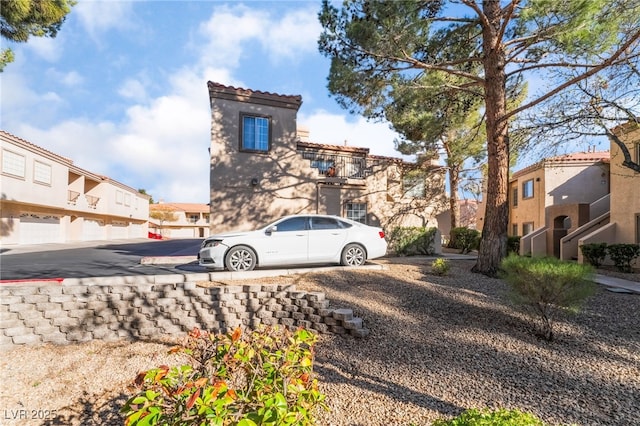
x,y
263,378
464,239
500,417
513,245
623,254
440,266
412,240
595,253
547,285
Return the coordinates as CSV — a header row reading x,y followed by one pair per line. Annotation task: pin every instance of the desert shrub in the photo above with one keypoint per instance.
x,y
464,239
623,254
261,378
412,240
440,266
595,253
500,417
513,244
548,286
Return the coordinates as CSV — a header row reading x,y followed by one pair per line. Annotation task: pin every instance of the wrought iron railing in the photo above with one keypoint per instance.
x,y
339,166
92,201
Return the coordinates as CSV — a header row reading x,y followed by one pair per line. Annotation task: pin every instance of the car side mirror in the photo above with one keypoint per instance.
x,y
271,230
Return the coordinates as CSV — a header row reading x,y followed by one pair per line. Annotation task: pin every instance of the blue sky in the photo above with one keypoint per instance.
x,y
122,90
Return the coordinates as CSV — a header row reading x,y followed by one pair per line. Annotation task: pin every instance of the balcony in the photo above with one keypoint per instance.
x,y
338,166
72,197
92,201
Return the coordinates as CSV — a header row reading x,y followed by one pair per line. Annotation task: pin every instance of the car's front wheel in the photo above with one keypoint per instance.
x,y
353,255
240,258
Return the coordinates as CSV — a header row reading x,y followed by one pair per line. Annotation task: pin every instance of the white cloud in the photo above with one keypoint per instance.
x,y
335,129
296,33
99,16
46,48
225,31
133,89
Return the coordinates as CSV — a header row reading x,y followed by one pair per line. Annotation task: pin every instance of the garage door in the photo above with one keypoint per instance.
x,y
119,231
38,229
137,231
93,230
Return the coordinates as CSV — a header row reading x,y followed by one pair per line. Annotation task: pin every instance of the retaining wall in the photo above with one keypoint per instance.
x,y
78,312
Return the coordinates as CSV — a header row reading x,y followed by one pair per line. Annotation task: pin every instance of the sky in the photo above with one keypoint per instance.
x,y
122,90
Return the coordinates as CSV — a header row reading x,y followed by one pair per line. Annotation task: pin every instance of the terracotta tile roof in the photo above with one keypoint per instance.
x,y
573,158
327,147
289,100
185,207
35,147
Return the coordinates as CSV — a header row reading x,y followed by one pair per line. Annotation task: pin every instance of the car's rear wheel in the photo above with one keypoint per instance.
x,y
240,258
353,255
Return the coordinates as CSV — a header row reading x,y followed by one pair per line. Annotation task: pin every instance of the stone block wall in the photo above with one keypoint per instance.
x,y
79,312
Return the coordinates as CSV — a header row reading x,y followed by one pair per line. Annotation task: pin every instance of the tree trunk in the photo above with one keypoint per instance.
x,y
493,246
454,181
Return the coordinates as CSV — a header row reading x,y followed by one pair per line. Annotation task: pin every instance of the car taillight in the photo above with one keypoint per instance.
x,y
381,233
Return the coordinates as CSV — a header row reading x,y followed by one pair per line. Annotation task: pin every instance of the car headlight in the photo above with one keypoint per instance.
x,y
211,243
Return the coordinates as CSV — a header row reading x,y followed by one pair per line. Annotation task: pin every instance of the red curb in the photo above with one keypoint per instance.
x,y
32,280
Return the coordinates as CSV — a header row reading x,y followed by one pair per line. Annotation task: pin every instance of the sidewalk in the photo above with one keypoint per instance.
x,y
618,284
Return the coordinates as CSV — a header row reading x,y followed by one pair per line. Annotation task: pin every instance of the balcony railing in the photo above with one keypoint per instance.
x,y
72,196
338,166
92,201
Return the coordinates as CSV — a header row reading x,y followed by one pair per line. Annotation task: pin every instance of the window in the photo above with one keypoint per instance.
x,y
42,173
514,230
127,199
324,223
514,194
207,218
638,228
119,195
527,189
413,184
527,228
194,218
292,224
357,212
255,133
13,164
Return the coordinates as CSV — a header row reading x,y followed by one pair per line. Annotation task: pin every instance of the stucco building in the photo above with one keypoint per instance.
x,y
621,224
263,166
48,199
179,220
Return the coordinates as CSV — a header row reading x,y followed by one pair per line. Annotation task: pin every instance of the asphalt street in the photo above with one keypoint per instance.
x,y
94,259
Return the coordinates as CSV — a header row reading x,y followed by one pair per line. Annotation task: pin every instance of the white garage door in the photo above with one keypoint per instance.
x,y
137,231
35,229
93,230
119,231
180,233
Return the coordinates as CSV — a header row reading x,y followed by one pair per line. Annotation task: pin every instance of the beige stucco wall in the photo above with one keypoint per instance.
x,y
122,211
625,189
250,189
557,184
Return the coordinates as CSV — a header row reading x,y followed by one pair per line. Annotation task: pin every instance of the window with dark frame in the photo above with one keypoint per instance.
x,y
515,197
514,230
527,189
527,228
357,212
255,133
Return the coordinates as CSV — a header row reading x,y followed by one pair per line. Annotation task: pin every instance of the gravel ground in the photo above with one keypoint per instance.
x,y
437,346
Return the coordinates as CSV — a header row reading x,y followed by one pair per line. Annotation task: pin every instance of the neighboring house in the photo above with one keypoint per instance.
x,y
622,223
263,166
179,220
45,198
555,196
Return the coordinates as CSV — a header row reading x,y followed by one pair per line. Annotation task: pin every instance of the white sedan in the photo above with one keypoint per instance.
x,y
295,240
